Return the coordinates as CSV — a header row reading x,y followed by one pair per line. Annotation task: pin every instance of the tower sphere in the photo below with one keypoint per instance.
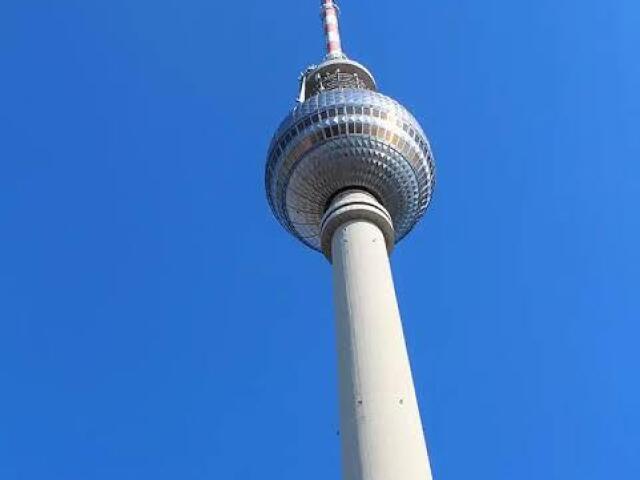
x,y
345,135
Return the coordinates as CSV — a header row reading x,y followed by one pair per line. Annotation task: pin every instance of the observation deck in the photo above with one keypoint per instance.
x,y
343,134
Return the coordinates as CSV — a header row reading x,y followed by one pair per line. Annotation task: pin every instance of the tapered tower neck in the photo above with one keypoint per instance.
x,y
329,12
354,204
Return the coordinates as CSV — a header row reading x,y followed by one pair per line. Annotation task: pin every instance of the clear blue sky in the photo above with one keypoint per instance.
x,y
157,323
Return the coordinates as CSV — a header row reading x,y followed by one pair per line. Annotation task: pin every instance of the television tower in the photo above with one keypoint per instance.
x,y
349,173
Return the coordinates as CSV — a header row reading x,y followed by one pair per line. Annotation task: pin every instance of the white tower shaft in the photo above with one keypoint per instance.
x,y
380,427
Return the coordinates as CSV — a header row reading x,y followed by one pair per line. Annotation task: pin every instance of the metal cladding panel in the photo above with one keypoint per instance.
x,y
347,138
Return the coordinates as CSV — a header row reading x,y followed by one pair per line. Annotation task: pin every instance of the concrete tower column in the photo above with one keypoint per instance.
x,y
380,427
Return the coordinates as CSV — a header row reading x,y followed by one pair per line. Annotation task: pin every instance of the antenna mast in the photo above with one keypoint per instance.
x,y
329,13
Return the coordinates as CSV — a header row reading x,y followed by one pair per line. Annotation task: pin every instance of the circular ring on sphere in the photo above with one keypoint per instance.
x,y
349,138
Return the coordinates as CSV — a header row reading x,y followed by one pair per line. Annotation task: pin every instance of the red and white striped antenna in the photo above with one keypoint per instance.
x,y
329,13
